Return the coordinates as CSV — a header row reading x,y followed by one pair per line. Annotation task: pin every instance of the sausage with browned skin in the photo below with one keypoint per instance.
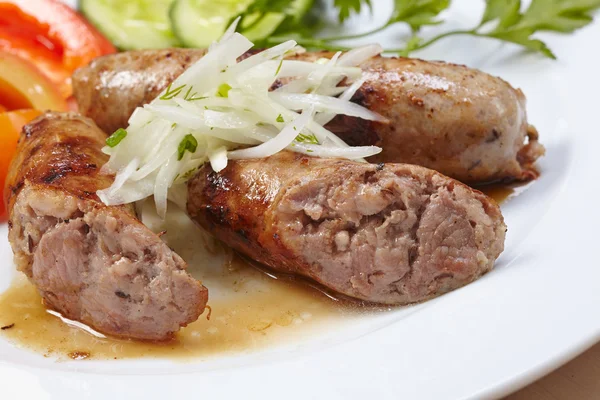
x,y
460,121
93,263
387,233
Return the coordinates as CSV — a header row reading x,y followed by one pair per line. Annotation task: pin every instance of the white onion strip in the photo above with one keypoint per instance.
x,y
220,109
325,103
325,118
279,142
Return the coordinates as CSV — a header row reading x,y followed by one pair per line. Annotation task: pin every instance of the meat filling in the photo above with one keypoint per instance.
x,y
93,263
388,233
392,239
102,268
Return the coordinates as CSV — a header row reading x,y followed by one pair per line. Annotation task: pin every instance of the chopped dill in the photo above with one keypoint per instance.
x,y
169,94
279,67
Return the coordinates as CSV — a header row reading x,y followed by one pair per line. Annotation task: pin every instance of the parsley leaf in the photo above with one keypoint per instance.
x,y
347,7
505,20
557,15
564,16
523,38
506,11
510,24
418,13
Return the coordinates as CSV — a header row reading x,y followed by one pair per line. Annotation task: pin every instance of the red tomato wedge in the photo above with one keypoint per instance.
x,y
52,36
11,124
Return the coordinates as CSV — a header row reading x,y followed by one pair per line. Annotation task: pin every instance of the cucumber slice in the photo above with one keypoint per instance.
x,y
297,9
132,24
198,23
257,30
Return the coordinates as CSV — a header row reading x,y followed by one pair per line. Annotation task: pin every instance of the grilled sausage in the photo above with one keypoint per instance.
x,y
90,262
457,120
387,233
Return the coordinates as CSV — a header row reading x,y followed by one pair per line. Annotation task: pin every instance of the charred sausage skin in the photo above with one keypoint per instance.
x,y
460,121
387,233
92,263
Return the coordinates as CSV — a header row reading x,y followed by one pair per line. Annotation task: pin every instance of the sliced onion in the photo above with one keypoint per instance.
x,y
178,116
325,118
167,150
326,104
260,58
229,120
359,55
164,180
131,192
205,73
279,142
300,69
316,78
218,158
231,29
120,179
351,153
196,119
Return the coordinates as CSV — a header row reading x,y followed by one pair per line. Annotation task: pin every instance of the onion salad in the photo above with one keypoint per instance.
x,y
223,109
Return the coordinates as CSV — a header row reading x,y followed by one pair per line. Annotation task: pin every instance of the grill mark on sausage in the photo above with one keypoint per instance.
x,y
296,232
53,180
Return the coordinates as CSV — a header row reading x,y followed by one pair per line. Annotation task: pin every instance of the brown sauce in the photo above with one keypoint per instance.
x,y
249,308
250,320
503,192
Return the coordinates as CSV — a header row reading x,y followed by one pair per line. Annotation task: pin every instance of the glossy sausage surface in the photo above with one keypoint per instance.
x,y
93,263
387,233
457,120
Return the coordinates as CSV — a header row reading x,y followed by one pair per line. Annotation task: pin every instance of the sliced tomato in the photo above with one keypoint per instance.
x,y
51,35
23,86
11,124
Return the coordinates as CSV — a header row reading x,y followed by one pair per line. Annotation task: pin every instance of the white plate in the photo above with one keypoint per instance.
x,y
535,311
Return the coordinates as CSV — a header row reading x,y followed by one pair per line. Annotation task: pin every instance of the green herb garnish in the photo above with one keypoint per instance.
x,y
280,118
189,96
169,94
311,139
504,20
116,137
279,67
188,143
223,90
